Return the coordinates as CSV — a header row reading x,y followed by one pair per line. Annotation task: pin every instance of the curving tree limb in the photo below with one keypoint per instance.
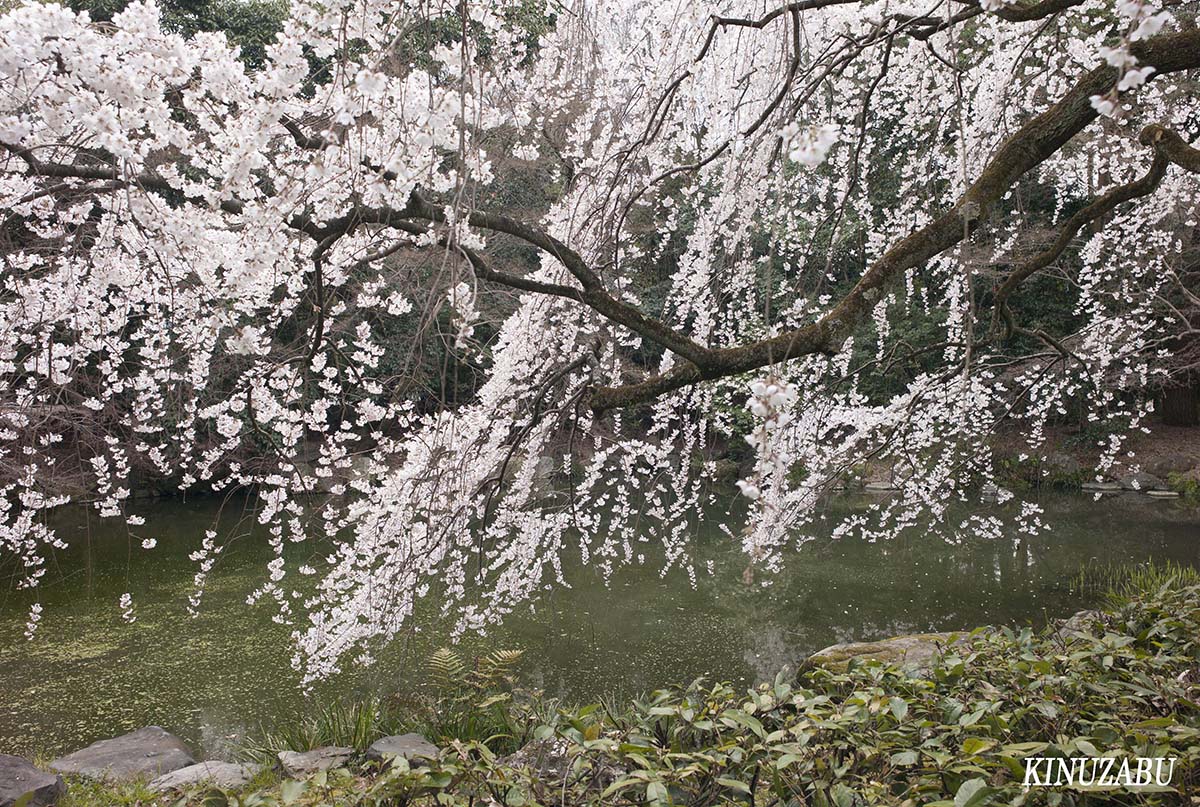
x,y
1028,147
1168,147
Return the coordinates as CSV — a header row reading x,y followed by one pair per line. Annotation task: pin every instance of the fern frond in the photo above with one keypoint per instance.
x,y
495,670
446,668
500,663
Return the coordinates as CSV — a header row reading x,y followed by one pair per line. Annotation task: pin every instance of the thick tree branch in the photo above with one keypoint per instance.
x,y
592,293
483,270
1028,147
116,179
1027,12
1143,186
418,207
717,23
1171,144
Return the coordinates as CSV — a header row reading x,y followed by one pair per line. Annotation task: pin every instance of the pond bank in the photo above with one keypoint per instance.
x,y
958,730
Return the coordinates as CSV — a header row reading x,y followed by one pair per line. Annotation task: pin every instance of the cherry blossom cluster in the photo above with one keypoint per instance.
x,y
125,603
809,147
1142,20
768,403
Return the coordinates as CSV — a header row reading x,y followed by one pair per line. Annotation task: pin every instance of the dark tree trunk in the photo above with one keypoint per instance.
x,y
1181,405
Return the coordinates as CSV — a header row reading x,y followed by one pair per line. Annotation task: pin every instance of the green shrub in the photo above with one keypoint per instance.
x,y
477,702
1188,487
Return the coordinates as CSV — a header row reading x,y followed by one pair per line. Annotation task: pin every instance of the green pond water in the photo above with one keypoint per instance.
x,y
213,678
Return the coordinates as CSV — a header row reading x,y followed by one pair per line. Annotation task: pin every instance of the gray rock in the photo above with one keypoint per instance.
x,y
302,763
1142,481
221,774
409,746
147,752
1163,494
1168,464
19,779
1100,487
1080,622
1063,464
879,487
552,763
917,651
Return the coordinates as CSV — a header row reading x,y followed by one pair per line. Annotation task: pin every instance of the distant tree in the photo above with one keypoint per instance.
x,y
250,25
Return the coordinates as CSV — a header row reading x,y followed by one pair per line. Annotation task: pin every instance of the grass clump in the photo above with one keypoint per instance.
x,y
84,792
344,722
1118,584
463,700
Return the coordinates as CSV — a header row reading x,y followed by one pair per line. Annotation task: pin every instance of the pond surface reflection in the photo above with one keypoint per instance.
x,y
211,678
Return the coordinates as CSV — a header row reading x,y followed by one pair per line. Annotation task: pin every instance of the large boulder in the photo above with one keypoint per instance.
x,y
409,746
1171,463
918,651
147,752
302,763
1059,464
221,774
19,780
